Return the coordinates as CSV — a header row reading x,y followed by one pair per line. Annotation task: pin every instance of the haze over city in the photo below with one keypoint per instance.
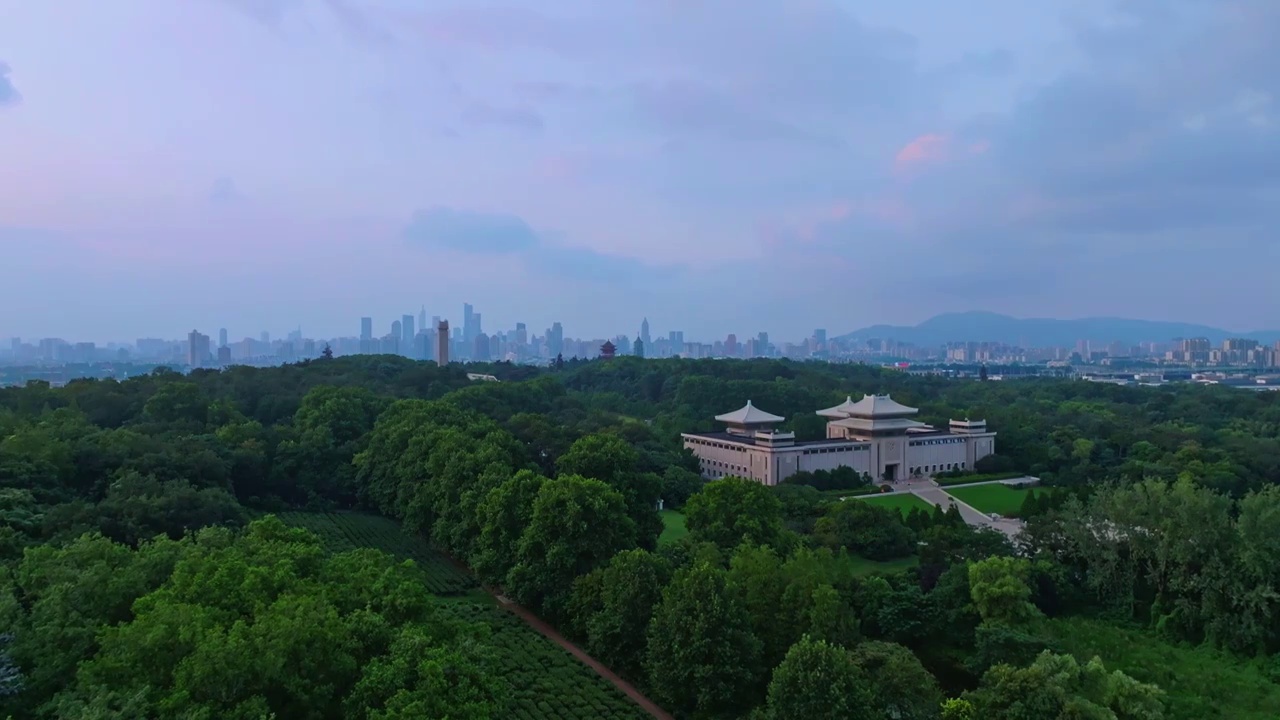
x,y
718,167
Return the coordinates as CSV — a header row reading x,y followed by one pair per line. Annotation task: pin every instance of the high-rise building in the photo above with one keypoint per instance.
x,y
644,331
266,338
366,335
222,337
637,348
555,340
442,343
197,349
480,348
468,323
675,341
422,318
397,332
522,334
406,332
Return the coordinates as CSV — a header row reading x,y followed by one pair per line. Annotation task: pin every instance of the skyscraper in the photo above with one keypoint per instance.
x,y
422,318
480,348
397,331
555,340
406,333
468,322
197,349
222,337
442,343
366,335
644,331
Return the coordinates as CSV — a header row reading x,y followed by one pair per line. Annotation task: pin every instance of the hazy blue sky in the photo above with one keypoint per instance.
x,y
718,165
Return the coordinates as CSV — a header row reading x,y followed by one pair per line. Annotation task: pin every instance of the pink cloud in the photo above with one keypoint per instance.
x,y
926,149
561,167
933,149
806,225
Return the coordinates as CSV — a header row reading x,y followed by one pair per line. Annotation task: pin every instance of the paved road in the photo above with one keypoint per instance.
x,y
1024,480
937,496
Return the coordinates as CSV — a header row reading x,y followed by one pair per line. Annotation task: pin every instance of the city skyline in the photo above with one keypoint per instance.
x,y
824,163
402,325
969,338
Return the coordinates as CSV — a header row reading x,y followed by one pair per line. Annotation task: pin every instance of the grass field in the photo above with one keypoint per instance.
x,y
673,527
978,477
1200,684
902,502
548,682
861,567
345,531
995,498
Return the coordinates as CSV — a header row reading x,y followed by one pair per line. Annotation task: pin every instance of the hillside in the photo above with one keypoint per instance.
x,y
1041,332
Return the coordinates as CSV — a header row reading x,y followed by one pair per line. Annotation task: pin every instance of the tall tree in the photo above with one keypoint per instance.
x,y
612,460
901,687
703,658
577,524
820,681
625,593
732,511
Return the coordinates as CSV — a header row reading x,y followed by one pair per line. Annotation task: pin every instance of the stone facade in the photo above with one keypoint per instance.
x,y
874,435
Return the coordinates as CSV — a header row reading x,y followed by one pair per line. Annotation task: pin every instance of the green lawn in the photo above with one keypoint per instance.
x,y
978,477
995,498
903,502
673,527
1200,684
861,567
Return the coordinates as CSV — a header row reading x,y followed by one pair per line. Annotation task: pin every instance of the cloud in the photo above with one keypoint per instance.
x,y
224,192
928,148
544,253
9,94
355,22
769,70
471,232
484,114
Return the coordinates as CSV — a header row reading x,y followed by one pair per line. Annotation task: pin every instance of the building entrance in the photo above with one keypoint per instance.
x,y
891,472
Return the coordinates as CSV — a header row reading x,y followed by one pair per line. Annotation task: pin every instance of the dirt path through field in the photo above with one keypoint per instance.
x,y
550,633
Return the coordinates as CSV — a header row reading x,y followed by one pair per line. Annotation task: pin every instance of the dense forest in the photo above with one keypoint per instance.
x,y
148,572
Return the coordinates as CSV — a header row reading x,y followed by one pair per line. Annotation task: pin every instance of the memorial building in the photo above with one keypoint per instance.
x,y
875,436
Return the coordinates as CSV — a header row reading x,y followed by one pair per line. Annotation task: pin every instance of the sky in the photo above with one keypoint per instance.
x,y
715,165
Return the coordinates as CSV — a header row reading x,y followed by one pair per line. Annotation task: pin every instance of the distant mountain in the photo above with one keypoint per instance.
x,y
1046,332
